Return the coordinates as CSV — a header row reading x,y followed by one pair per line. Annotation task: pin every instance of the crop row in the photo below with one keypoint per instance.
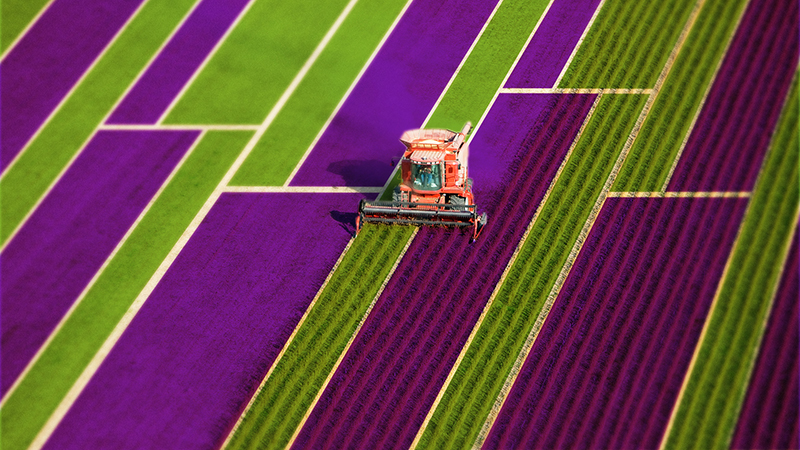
x,y
628,44
672,113
608,364
488,360
770,416
727,145
708,412
281,403
400,359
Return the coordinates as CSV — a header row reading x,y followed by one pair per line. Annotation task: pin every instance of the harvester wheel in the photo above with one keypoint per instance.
x,y
457,200
396,194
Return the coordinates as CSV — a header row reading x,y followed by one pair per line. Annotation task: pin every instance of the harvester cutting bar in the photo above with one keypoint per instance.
x,y
408,213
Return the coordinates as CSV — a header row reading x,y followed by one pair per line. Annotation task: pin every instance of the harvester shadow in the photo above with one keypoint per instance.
x,y
361,173
347,220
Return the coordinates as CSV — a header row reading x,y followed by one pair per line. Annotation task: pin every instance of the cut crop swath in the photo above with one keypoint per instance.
x,y
608,364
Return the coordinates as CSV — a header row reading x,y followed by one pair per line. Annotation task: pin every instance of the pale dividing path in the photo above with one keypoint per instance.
x,y
92,367
523,355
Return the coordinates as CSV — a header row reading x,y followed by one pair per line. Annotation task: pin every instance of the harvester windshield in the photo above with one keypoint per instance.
x,y
426,177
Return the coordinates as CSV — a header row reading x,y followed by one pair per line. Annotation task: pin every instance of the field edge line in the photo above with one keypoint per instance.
x,y
503,276
286,346
72,89
342,355
347,93
99,271
26,29
763,328
702,103
202,66
94,132
578,44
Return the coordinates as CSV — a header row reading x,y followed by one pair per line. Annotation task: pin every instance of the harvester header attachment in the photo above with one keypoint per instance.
x,y
434,189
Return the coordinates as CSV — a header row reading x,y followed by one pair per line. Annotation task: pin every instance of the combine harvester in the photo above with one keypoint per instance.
x,y
434,187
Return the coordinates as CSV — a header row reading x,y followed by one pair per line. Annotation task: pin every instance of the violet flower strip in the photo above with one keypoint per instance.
x,y
396,93
389,378
728,143
607,366
176,63
48,60
770,416
65,241
195,353
552,44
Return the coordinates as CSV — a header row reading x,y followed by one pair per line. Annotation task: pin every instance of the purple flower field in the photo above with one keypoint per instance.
x,y
58,250
606,367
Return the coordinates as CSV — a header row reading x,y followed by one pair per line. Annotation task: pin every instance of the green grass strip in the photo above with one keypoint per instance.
x,y
299,375
477,382
54,373
15,15
648,164
280,405
252,68
624,49
36,168
707,415
295,127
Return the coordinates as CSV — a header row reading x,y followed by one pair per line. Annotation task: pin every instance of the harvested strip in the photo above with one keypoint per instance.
x,y
624,48
672,113
47,62
194,354
396,93
709,409
727,145
54,255
71,127
293,131
27,409
258,60
770,416
607,366
392,373
478,380
176,63
551,46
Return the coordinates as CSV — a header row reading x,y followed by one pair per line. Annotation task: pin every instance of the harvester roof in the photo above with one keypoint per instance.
x,y
427,156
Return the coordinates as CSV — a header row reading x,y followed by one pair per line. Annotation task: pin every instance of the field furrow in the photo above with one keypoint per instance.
x,y
391,97
607,366
49,60
478,380
715,388
727,145
682,93
47,264
770,416
177,61
192,357
400,359
628,44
